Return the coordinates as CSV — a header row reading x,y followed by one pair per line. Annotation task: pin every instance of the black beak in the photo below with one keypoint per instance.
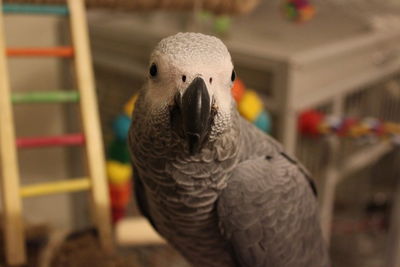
x,y
195,110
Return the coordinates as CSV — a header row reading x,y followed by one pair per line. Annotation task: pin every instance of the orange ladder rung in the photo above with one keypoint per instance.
x,y
63,51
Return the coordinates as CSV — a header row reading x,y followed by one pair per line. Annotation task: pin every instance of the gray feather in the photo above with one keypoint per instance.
x,y
269,214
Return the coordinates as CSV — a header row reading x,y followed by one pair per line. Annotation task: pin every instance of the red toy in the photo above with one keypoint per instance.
x,y
238,89
120,195
309,122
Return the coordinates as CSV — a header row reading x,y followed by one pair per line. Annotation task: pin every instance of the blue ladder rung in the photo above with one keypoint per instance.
x,y
36,9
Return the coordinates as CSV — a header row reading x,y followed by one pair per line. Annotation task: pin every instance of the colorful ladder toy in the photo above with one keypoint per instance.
x,y
91,138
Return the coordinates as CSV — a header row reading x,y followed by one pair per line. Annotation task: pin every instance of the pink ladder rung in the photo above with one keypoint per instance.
x,y
63,140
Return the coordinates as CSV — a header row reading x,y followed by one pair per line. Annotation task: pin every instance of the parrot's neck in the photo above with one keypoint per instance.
x,y
159,151
182,189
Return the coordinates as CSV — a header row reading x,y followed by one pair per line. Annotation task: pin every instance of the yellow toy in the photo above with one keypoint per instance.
x,y
130,105
118,173
250,106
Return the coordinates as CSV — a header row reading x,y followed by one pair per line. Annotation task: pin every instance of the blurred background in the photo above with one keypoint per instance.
x,y
321,76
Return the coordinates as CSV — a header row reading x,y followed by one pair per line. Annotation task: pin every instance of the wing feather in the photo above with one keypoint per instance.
x,y
269,215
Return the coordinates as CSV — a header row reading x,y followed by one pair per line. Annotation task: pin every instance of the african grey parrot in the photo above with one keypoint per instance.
x,y
222,192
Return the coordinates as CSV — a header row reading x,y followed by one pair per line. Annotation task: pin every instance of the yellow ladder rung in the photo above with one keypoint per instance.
x,y
72,185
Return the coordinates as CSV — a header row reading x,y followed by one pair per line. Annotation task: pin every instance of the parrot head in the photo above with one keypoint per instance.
x,y
190,76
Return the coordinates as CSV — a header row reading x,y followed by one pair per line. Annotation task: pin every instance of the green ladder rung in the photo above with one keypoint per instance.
x,y
36,9
45,97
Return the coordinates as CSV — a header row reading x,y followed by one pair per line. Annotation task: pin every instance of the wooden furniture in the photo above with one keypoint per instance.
x,y
91,137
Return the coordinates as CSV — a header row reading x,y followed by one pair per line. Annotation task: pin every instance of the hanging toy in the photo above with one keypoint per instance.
x,y
250,106
311,123
121,127
118,151
238,90
219,24
298,10
130,105
118,166
119,178
314,123
222,24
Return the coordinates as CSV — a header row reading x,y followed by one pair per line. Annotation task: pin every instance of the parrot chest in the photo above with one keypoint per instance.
x,y
182,203
181,192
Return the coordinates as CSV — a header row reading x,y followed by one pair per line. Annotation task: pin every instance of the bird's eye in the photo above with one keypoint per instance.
x,y
183,78
210,80
153,70
233,76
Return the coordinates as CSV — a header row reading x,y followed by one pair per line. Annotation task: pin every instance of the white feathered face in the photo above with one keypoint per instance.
x,y
192,74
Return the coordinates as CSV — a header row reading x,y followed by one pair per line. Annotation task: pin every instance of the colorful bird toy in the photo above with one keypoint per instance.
x,y
250,106
298,10
119,169
314,123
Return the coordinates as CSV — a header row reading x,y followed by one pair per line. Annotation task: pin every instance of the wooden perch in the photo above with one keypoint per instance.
x,y
216,6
